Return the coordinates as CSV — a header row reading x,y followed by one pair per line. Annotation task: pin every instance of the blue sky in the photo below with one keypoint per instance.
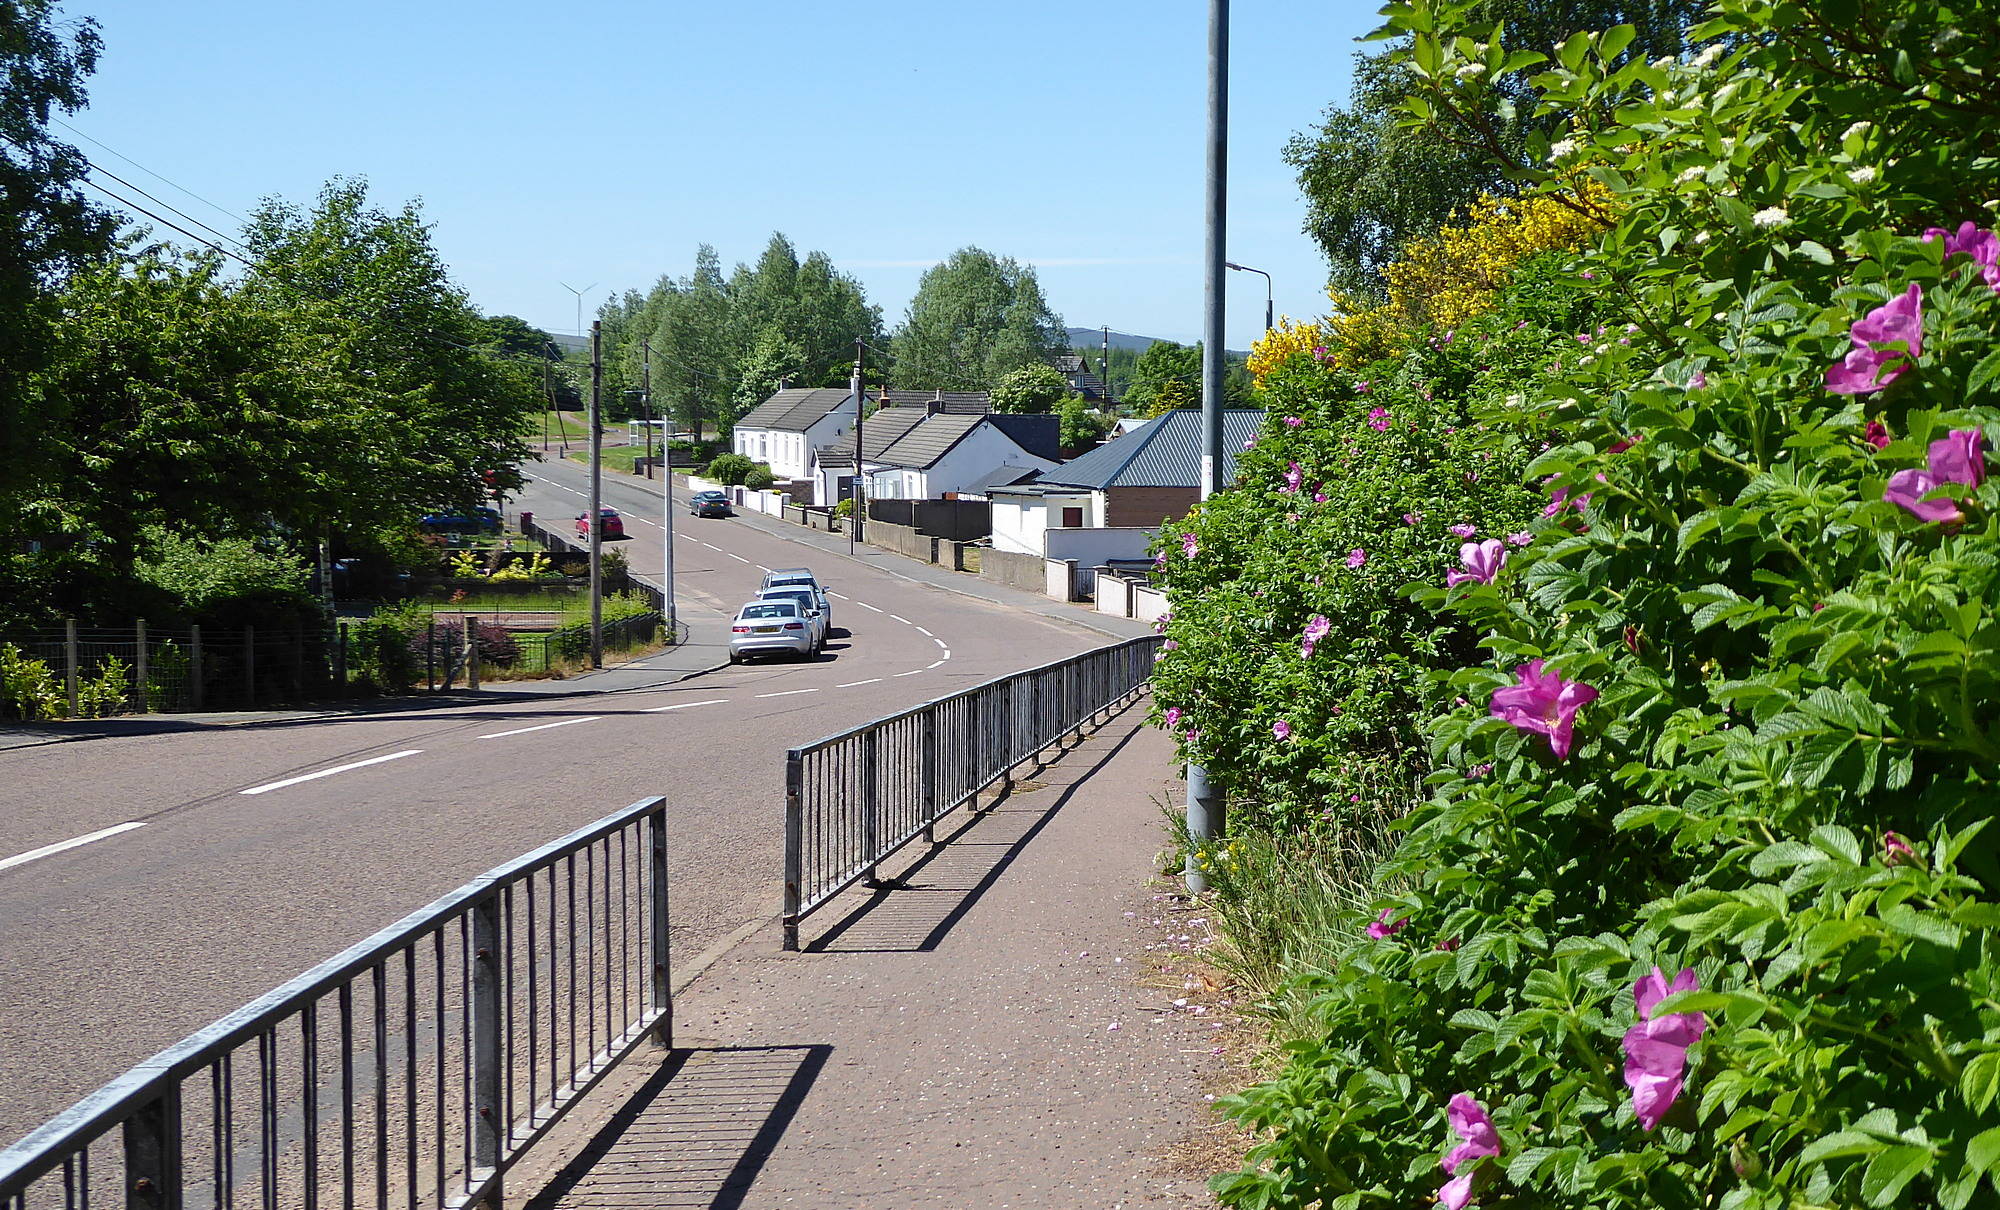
x,y
602,144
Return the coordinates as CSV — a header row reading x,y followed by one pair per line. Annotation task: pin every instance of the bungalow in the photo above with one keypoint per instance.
x,y
1131,483
791,431
915,453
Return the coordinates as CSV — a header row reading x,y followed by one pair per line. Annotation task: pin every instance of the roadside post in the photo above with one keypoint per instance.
x,y
595,517
69,662
140,668
194,665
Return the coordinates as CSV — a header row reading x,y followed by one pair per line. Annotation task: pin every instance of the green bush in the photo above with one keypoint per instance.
x,y
759,478
30,689
730,469
1736,713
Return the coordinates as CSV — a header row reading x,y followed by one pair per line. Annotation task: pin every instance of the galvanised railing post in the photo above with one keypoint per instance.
x,y
927,747
488,1121
69,662
794,840
871,800
153,1151
194,666
663,993
1008,751
141,666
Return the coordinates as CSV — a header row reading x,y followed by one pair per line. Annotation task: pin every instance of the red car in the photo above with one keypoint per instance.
x,y
614,525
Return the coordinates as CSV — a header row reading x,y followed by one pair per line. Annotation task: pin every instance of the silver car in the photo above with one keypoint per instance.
x,y
799,577
808,602
771,628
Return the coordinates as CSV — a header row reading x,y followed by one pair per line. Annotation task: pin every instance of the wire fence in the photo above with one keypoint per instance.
x,y
853,799
84,672
410,1071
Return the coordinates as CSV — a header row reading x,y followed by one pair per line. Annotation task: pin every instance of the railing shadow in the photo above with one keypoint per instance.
x,y
919,908
695,1135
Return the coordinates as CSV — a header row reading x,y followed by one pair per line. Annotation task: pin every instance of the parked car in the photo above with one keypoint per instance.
x,y
480,520
808,603
799,577
771,628
709,504
614,525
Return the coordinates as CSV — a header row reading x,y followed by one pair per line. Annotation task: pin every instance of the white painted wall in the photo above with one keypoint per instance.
x,y
795,455
1148,603
985,449
1092,547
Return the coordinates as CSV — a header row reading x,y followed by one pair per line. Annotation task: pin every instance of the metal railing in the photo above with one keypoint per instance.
x,y
410,1071
854,798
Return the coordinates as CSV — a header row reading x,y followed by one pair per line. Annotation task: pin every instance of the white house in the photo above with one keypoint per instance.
x,y
791,430
918,453
1023,514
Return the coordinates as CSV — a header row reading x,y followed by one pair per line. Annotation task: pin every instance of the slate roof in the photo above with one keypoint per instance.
x,y
929,440
794,410
961,402
1165,453
1039,435
883,429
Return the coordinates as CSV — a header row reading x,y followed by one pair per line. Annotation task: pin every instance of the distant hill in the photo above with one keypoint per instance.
x,y
1093,338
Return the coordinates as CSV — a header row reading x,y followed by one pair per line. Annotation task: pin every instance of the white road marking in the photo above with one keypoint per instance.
x,y
59,846
761,567
711,546
732,554
927,634
866,605
905,621
932,664
939,642
788,693
911,672
851,684
568,722
945,656
714,701
837,596
359,764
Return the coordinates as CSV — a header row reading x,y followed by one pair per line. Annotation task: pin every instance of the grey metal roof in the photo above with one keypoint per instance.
x,y
1165,453
795,409
882,430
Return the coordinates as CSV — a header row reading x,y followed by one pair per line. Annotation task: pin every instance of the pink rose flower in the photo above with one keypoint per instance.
x,y
1385,928
1356,557
1896,850
1462,530
1190,547
1970,240
1378,419
1477,1140
1281,729
1543,703
1172,717
1482,560
1656,1048
1293,421
1957,457
1869,366
1294,475
1520,539
1876,434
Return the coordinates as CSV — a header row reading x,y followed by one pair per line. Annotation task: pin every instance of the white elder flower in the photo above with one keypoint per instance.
x,y
1602,349
1701,237
1514,401
1707,58
1562,149
1771,216
1690,174
1585,360
1858,128
1862,175
1470,71
1663,62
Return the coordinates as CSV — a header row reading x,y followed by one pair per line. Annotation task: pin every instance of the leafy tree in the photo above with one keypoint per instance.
x,y
771,363
47,228
1372,184
1033,388
1078,425
370,307
1166,376
975,317
513,337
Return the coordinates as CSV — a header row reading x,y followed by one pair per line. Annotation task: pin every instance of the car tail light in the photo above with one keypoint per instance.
x,y
795,625
739,630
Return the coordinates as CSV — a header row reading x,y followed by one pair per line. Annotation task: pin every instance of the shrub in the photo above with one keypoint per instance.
x,y
759,478
31,690
729,469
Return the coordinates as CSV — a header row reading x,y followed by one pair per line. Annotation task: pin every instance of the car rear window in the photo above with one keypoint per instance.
x,y
776,609
801,595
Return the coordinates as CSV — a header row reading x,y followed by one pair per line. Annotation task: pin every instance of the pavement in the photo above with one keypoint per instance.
x,y
986,1034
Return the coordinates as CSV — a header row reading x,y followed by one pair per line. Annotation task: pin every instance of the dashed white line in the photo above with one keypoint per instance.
x,y
905,621
911,672
939,642
946,655
761,567
788,692
837,596
732,554
59,846
927,634
568,722
866,605
851,684
714,701
359,764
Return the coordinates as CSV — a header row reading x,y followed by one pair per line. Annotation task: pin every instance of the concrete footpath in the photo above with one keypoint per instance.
x,y
988,1033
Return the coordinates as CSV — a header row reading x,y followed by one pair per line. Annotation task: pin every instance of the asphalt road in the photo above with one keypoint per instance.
x,y
229,876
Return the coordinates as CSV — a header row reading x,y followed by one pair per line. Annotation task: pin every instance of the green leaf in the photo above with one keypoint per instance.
x,y
1839,1144
1837,842
1986,371
1924,926
1890,1171
1983,1150
1978,1083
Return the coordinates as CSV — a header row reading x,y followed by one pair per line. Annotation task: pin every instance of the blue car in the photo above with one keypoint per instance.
x,y
457,521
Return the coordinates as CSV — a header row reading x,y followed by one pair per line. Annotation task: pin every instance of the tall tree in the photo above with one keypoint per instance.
x,y
975,317
1371,185
372,306
47,227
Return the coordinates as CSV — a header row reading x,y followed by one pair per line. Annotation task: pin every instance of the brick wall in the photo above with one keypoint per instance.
x,y
1145,506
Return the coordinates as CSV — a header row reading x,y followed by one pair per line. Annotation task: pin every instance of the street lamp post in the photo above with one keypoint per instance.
x,y
1268,325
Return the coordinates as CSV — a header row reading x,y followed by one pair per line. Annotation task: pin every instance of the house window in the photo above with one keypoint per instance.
x,y
1072,518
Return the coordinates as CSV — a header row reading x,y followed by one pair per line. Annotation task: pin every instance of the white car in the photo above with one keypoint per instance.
x,y
772,628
